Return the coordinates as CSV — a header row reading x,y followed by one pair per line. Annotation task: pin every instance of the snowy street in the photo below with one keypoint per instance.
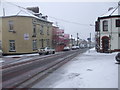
x,y
87,70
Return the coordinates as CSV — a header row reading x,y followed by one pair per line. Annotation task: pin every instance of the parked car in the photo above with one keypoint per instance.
x,y
1,53
46,51
66,49
75,47
117,57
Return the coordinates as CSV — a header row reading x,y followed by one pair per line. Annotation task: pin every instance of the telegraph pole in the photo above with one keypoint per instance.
x,y
77,39
90,40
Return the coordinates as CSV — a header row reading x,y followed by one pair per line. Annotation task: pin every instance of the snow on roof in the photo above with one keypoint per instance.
x,y
112,12
9,9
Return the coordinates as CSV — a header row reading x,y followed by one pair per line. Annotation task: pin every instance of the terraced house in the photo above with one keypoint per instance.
x,y
24,31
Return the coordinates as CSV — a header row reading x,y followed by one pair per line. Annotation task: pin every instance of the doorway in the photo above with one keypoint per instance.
x,y
105,44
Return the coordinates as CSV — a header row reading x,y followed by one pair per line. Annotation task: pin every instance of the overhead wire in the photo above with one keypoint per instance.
x,y
77,23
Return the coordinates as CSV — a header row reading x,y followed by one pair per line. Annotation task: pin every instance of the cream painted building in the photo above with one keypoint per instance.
x,y
25,32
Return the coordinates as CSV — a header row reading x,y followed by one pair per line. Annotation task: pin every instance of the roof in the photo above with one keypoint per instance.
x,y
112,12
9,9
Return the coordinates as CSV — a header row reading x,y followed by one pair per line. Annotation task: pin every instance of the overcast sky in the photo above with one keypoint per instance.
x,y
82,13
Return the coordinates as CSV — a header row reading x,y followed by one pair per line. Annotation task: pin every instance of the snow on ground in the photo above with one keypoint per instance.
x,y
22,55
88,70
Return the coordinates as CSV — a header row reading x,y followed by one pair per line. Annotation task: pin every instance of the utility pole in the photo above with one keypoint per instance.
x,y
90,40
71,40
77,39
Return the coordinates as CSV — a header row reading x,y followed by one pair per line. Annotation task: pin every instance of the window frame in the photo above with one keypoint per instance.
x,y
34,30
12,46
117,23
34,45
105,25
11,25
41,30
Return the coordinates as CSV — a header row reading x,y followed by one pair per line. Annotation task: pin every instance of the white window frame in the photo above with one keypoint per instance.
x,y
34,45
11,25
105,25
12,45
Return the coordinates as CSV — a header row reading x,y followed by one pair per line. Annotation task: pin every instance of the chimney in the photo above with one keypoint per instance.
x,y
45,17
40,15
110,8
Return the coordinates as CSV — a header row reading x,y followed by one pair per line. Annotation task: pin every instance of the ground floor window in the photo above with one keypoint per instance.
x,y
11,45
34,44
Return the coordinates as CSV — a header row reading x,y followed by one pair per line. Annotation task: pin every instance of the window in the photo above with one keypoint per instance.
x,y
48,42
105,25
97,26
12,45
118,23
47,30
34,30
119,34
42,42
10,25
41,30
34,44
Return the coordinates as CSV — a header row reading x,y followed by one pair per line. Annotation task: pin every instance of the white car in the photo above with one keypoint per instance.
x,y
1,53
75,47
46,51
66,49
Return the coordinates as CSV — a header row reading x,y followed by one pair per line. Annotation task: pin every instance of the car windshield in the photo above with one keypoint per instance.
x,y
42,48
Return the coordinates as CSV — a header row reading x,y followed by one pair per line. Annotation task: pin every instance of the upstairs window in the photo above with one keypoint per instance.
x,y
10,25
48,31
97,26
41,30
34,30
105,25
118,23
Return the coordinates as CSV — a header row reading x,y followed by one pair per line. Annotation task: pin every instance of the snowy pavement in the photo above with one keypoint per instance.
x,y
87,70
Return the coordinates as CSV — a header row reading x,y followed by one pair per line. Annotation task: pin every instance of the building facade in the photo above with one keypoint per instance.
x,y
23,33
108,31
59,38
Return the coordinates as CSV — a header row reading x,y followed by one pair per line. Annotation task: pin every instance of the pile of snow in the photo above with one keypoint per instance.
x,y
93,52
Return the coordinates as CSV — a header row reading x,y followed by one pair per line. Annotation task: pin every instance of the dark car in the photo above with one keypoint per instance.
x,y
118,57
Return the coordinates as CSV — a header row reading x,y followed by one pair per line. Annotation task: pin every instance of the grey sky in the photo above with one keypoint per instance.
x,y
80,12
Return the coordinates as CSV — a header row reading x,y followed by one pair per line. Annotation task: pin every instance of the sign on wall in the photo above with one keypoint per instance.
x,y
26,36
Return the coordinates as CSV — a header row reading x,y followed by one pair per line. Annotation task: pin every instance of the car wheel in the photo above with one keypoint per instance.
x,y
117,59
47,53
53,52
40,53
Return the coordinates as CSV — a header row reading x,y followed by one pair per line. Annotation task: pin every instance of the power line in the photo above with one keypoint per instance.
x,y
71,21
50,16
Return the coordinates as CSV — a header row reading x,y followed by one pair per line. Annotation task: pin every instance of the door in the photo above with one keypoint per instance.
x,y
105,44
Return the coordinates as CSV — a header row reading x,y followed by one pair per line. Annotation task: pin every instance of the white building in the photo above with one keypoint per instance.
x,y
108,31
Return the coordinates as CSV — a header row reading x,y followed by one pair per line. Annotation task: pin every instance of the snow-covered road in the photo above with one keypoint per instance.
x,y
88,70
